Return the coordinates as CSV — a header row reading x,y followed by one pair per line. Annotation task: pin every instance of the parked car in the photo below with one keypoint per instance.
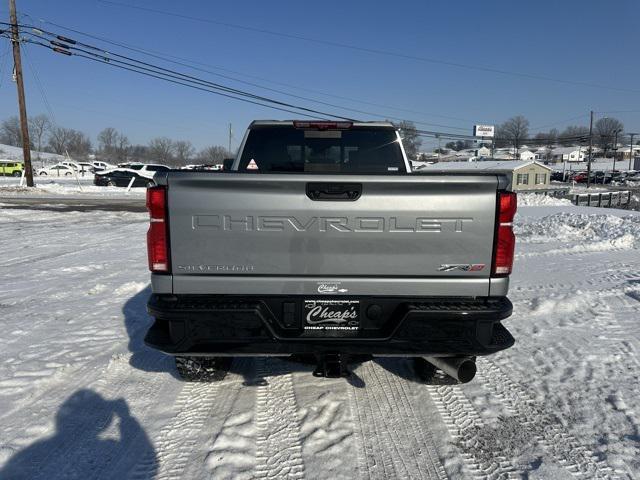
x,y
334,250
83,168
580,177
86,167
121,177
99,166
57,170
11,167
147,170
200,168
558,176
619,177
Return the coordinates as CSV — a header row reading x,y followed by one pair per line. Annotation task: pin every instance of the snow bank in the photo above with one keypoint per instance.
x,y
592,232
538,199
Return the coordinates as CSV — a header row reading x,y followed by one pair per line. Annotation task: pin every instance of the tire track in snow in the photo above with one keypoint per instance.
x,y
228,437
396,440
177,439
563,447
483,457
278,444
593,280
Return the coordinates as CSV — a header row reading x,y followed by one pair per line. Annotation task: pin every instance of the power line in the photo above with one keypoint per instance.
x,y
388,53
560,122
619,111
110,62
163,57
43,94
145,66
70,44
170,58
4,57
68,47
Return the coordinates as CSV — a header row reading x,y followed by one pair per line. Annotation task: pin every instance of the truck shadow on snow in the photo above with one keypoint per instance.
x,y
94,438
137,321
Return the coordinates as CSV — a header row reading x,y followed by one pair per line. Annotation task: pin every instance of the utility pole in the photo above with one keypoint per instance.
x,y
17,61
230,136
631,150
615,150
590,150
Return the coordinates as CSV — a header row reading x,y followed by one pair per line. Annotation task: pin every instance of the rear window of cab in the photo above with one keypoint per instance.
x,y
289,149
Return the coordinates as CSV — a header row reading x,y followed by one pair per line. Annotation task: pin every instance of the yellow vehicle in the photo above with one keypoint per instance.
x,y
11,167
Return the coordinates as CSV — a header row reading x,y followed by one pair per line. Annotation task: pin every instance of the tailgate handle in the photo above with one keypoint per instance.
x,y
337,192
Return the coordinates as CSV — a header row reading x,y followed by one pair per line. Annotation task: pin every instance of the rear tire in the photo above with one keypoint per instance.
x,y
203,369
17,174
111,183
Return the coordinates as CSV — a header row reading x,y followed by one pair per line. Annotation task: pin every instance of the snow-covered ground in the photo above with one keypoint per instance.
x,y
82,397
67,187
8,152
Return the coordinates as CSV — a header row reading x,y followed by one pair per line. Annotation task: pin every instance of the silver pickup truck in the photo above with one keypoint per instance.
x,y
319,241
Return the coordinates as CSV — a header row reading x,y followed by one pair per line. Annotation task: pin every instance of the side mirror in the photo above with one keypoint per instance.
x,y
227,163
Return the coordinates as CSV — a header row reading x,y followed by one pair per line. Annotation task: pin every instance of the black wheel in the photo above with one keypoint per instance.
x,y
68,174
111,183
17,174
203,369
43,174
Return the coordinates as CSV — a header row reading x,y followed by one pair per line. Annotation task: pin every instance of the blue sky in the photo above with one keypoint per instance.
x,y
593,42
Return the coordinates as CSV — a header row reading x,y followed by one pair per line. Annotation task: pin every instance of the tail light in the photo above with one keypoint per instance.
x,y
505,238
158,234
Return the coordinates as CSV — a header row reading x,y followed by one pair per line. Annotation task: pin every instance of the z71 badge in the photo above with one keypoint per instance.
x,y
461,267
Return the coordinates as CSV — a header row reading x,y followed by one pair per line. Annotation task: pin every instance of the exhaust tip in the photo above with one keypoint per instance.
x,y
463,369
467,371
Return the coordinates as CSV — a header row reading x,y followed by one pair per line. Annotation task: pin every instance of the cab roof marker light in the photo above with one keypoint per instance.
x,y
322,125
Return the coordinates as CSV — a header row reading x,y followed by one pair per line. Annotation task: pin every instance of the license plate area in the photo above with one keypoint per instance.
x,y
331,318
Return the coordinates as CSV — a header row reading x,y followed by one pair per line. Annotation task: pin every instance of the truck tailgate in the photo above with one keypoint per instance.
x,y
435,231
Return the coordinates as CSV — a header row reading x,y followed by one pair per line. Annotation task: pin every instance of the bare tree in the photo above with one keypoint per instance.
x,y
605,130
59,140
113,145
107,141
213,155
123,147
138,152
514,131
547,140
38,128
67,140
183,150
161,150
573,135
79,144
410,138
10,133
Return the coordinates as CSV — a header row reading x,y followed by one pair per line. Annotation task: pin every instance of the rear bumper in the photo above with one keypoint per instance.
x,y
228,325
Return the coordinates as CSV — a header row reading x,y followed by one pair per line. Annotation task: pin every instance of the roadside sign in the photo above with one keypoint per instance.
x,y
483,130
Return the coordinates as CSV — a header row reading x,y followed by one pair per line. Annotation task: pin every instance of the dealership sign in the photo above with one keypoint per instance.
x,y
483,130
